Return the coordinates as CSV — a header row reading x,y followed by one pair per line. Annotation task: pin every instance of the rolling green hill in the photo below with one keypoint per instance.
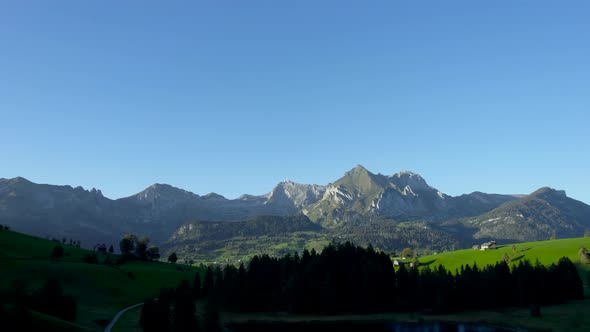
x,y
546,252
100,290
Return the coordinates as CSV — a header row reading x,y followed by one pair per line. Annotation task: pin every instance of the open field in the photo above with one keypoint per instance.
x,y
100,290
546,252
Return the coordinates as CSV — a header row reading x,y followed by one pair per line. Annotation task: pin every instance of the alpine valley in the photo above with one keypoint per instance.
x,y
390,212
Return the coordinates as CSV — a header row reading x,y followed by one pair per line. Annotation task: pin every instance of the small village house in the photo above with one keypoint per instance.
x,y
488,245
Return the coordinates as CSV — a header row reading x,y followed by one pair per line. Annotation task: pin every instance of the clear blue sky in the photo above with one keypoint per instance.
x,y
235,96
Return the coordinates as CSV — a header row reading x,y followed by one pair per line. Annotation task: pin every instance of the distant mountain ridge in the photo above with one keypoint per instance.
x,y
359,197
537,216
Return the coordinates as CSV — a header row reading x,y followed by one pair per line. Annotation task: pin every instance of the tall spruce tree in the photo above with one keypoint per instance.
x,y
197,285
208,283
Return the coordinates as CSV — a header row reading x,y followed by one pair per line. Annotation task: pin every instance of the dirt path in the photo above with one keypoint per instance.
x,y
118,315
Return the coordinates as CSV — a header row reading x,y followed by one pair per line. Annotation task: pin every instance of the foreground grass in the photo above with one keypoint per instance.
x,y
101,291
569,317
42,322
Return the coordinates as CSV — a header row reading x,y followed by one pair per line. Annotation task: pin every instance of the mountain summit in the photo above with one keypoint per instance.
x,y
163,193
403,195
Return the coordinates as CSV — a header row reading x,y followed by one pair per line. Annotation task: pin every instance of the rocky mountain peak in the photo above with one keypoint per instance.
x,y
96,192
410,182
295,194
213,195
20,179
548,192
358,169
15,181
165,191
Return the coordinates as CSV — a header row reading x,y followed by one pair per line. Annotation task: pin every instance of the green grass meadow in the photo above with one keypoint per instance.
x,y
546,252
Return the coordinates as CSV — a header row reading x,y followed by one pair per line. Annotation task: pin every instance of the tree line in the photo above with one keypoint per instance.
x,y
133,247
345,278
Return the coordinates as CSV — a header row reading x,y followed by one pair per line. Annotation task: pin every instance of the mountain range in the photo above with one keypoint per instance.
x,y
360,205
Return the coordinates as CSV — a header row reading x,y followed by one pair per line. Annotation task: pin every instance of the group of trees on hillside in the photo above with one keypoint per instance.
x,y
132,246
344,278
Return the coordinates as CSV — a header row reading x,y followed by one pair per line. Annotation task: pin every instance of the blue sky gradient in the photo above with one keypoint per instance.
x,y
235,96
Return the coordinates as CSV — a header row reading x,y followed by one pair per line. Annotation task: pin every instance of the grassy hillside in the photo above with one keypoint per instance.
x,y
546,252
238,241
100,290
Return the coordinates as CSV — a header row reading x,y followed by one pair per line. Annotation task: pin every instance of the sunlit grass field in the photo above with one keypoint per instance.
x,y
546,252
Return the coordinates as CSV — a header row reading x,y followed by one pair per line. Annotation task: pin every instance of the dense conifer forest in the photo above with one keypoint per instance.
x,y
345,279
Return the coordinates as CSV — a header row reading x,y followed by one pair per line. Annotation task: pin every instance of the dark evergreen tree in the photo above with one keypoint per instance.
x,y
197,285
218,277
211,317
151,319
184,309
208,283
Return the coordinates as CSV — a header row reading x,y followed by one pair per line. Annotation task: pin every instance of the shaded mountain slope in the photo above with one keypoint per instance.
x,y
533,217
